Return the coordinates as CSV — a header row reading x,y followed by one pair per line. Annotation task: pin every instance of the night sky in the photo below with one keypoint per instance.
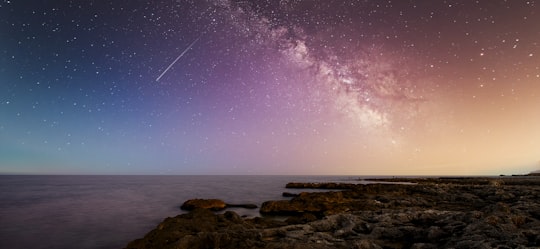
x,y
270,87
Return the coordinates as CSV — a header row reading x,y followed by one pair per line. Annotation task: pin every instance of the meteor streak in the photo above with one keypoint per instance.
x,y
177,58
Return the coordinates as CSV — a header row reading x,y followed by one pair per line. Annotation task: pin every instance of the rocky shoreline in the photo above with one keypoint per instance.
x,y
459,212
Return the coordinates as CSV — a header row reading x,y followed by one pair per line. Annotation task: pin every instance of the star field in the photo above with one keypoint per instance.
x,y
269,87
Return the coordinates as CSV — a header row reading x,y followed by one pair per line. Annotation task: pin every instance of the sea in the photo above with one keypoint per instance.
x,y
106,212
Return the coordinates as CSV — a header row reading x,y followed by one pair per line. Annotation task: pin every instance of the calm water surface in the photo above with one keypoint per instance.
x,y
109,211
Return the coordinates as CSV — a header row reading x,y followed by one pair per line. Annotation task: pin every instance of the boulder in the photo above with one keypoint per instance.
x,y
211,204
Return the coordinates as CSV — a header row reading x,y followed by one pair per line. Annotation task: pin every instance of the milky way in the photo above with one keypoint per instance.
x,y
269,87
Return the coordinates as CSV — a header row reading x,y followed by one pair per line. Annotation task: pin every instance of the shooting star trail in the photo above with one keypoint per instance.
x,y
177,58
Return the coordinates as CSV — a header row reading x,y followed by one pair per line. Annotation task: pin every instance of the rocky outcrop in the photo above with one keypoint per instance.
x,y
511,180
323,185
408,228
503,214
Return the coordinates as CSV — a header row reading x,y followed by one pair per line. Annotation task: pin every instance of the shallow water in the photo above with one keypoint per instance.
x,y
109,211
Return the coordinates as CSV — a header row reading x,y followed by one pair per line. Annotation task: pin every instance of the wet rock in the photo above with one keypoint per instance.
x,y
211,204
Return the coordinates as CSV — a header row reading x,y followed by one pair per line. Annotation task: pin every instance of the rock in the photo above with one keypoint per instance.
x,y
248,206
287,194
324,185
201,228
232,216
366,244
435,213
423,246
434,233
496,182
211,204
316,203
533,237
278,208
387,233
301,219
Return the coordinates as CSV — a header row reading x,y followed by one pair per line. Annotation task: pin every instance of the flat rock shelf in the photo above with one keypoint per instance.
x,y
467,212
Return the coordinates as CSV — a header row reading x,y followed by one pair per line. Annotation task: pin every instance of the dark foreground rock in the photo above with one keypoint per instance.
x,y
427,215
